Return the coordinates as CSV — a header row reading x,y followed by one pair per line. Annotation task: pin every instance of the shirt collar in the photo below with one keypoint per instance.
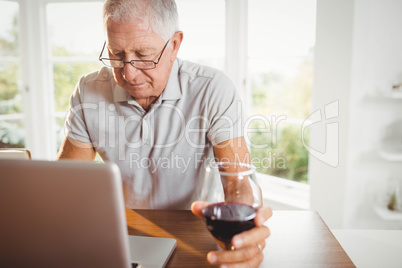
x,y
172,90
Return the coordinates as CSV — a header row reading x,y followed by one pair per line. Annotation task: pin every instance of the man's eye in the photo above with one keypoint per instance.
x,y
143,56
116,55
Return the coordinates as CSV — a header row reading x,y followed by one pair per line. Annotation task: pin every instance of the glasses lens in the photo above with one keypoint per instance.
x,y
113,63
143,64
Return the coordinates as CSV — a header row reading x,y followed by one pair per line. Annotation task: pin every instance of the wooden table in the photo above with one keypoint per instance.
x,y
298,238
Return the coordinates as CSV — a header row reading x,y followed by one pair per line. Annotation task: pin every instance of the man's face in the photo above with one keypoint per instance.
x,y
137,41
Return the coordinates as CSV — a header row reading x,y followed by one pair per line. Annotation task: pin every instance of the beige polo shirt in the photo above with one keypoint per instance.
x,y
161,153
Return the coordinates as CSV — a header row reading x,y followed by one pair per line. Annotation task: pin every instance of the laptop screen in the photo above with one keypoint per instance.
x,y
62,214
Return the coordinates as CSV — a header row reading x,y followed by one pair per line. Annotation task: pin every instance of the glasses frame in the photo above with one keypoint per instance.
x,y
132,62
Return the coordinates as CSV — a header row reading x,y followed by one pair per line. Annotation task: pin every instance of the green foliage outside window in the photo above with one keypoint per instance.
x,y
9,42
11,130
286,158
279,98
66,76
10,95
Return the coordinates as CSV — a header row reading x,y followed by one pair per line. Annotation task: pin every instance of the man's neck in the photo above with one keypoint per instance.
x,y
146,102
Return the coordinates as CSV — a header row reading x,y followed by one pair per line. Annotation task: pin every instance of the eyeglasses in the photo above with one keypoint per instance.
x,y
139,64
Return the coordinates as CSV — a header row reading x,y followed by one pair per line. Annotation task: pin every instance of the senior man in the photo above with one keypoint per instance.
x,y
159,118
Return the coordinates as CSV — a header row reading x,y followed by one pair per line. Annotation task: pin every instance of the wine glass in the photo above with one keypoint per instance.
x,y
233,194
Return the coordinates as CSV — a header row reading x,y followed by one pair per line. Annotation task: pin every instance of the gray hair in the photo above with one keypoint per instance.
x,y
160,14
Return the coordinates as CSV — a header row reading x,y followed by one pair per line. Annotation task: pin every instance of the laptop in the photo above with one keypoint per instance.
x,y
69,214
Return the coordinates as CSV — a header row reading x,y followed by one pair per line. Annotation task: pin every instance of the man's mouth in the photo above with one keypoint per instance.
x,y
136,84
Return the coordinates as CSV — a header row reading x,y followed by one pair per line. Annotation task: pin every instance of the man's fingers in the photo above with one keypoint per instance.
x,y
263,214
197,207
251,255
251,237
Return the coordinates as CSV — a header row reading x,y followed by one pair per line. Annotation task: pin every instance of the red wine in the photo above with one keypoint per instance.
x,y
224,220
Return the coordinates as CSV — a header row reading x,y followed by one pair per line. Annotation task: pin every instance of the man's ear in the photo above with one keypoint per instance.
x,y
176,40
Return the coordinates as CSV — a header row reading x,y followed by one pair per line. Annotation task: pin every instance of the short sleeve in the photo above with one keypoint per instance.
x,y
224,110
74,125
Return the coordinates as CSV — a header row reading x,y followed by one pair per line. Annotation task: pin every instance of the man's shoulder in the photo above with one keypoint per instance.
x,y
196,77
96,85
196,70
102,75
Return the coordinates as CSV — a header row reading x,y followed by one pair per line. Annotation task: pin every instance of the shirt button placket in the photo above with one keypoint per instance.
x,y
145,129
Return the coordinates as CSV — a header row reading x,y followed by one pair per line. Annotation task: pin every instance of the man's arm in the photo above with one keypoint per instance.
x,y
248,244
73,149
234,150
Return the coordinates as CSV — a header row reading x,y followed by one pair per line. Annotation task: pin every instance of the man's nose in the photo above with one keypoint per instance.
x,y
129,72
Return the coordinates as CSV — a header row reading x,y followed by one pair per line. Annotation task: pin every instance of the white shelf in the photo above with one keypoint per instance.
x,y
377,159
392,155
381,99
388,215
384,193
391,150
395,94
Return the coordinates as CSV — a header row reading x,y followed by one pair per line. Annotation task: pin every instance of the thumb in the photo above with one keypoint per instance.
x,y
197,207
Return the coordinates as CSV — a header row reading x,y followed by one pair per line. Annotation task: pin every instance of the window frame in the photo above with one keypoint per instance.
x,y
38,87
281,193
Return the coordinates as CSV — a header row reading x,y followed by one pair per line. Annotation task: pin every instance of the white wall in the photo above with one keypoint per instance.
x,y
358,58
374,118
332,71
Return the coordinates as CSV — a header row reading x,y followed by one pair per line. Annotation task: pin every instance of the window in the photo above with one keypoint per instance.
x,y
204,38
74,47
12,132
281,39
268,54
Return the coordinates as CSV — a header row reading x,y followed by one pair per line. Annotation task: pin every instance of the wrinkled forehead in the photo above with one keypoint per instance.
x,y
125,35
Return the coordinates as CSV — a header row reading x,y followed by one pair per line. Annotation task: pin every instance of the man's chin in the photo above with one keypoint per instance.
x,y
143,96
138,91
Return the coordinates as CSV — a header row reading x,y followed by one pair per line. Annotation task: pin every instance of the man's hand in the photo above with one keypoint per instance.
x,y
248,245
